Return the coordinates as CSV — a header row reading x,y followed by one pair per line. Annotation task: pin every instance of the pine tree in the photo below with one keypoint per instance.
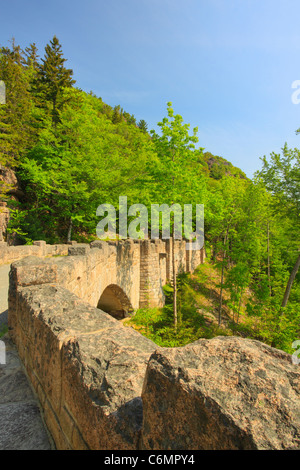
x,y
143,125
52,78
117,116
31,56
14,53
15,114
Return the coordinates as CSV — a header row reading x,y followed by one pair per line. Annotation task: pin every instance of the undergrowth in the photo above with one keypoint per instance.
x,y
198,302
3,330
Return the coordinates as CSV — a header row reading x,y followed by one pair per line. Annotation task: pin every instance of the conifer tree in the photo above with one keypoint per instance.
x,y
53,77
117,116
31,56
143,125
15,132
14,52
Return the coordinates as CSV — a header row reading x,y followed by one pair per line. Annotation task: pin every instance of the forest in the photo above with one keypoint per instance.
x,y
72,152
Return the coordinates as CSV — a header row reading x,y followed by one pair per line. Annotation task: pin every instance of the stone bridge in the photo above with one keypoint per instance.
x,y
117,277
102,385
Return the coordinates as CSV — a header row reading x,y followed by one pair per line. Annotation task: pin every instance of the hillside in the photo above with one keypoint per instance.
x,y
199,314
219,167
72,153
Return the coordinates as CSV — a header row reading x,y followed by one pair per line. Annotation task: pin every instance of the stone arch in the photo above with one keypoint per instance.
x,y
114,301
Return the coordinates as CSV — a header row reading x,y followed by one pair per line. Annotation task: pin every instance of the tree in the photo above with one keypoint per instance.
x,y
84,161
15,115
31,56
129,118
143,125
281,175
175,175
52,78
117,116
224,214
290,282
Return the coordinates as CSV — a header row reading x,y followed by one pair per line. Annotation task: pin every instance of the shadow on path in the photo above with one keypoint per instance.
x,y
21,424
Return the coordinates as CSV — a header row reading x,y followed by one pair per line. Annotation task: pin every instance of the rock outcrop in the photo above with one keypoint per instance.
x,y
222,393
9,182
4,219
10,186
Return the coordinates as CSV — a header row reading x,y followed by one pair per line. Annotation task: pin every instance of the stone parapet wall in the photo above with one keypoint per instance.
x,y
86,368
136,271
104,386
9,254
139,268
88,270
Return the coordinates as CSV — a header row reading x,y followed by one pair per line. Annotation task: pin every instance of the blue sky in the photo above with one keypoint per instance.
x,y
226,65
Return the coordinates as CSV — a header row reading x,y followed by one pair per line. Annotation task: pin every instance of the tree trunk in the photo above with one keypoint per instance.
x,y
290,282
221,292
174,285
54,115
173,261
268,249
70,230
222,276
239,308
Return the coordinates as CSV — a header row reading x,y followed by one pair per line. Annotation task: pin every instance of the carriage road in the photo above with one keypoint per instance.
x,y
21,424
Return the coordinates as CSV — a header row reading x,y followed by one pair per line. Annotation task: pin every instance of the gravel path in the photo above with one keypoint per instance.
x,y
21,424
4,270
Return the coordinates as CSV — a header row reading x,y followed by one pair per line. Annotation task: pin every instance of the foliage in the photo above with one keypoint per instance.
x,y
72,152
262,322
17,219
281,176
157,324
16,126
65,185
51,78
218,167
3,330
